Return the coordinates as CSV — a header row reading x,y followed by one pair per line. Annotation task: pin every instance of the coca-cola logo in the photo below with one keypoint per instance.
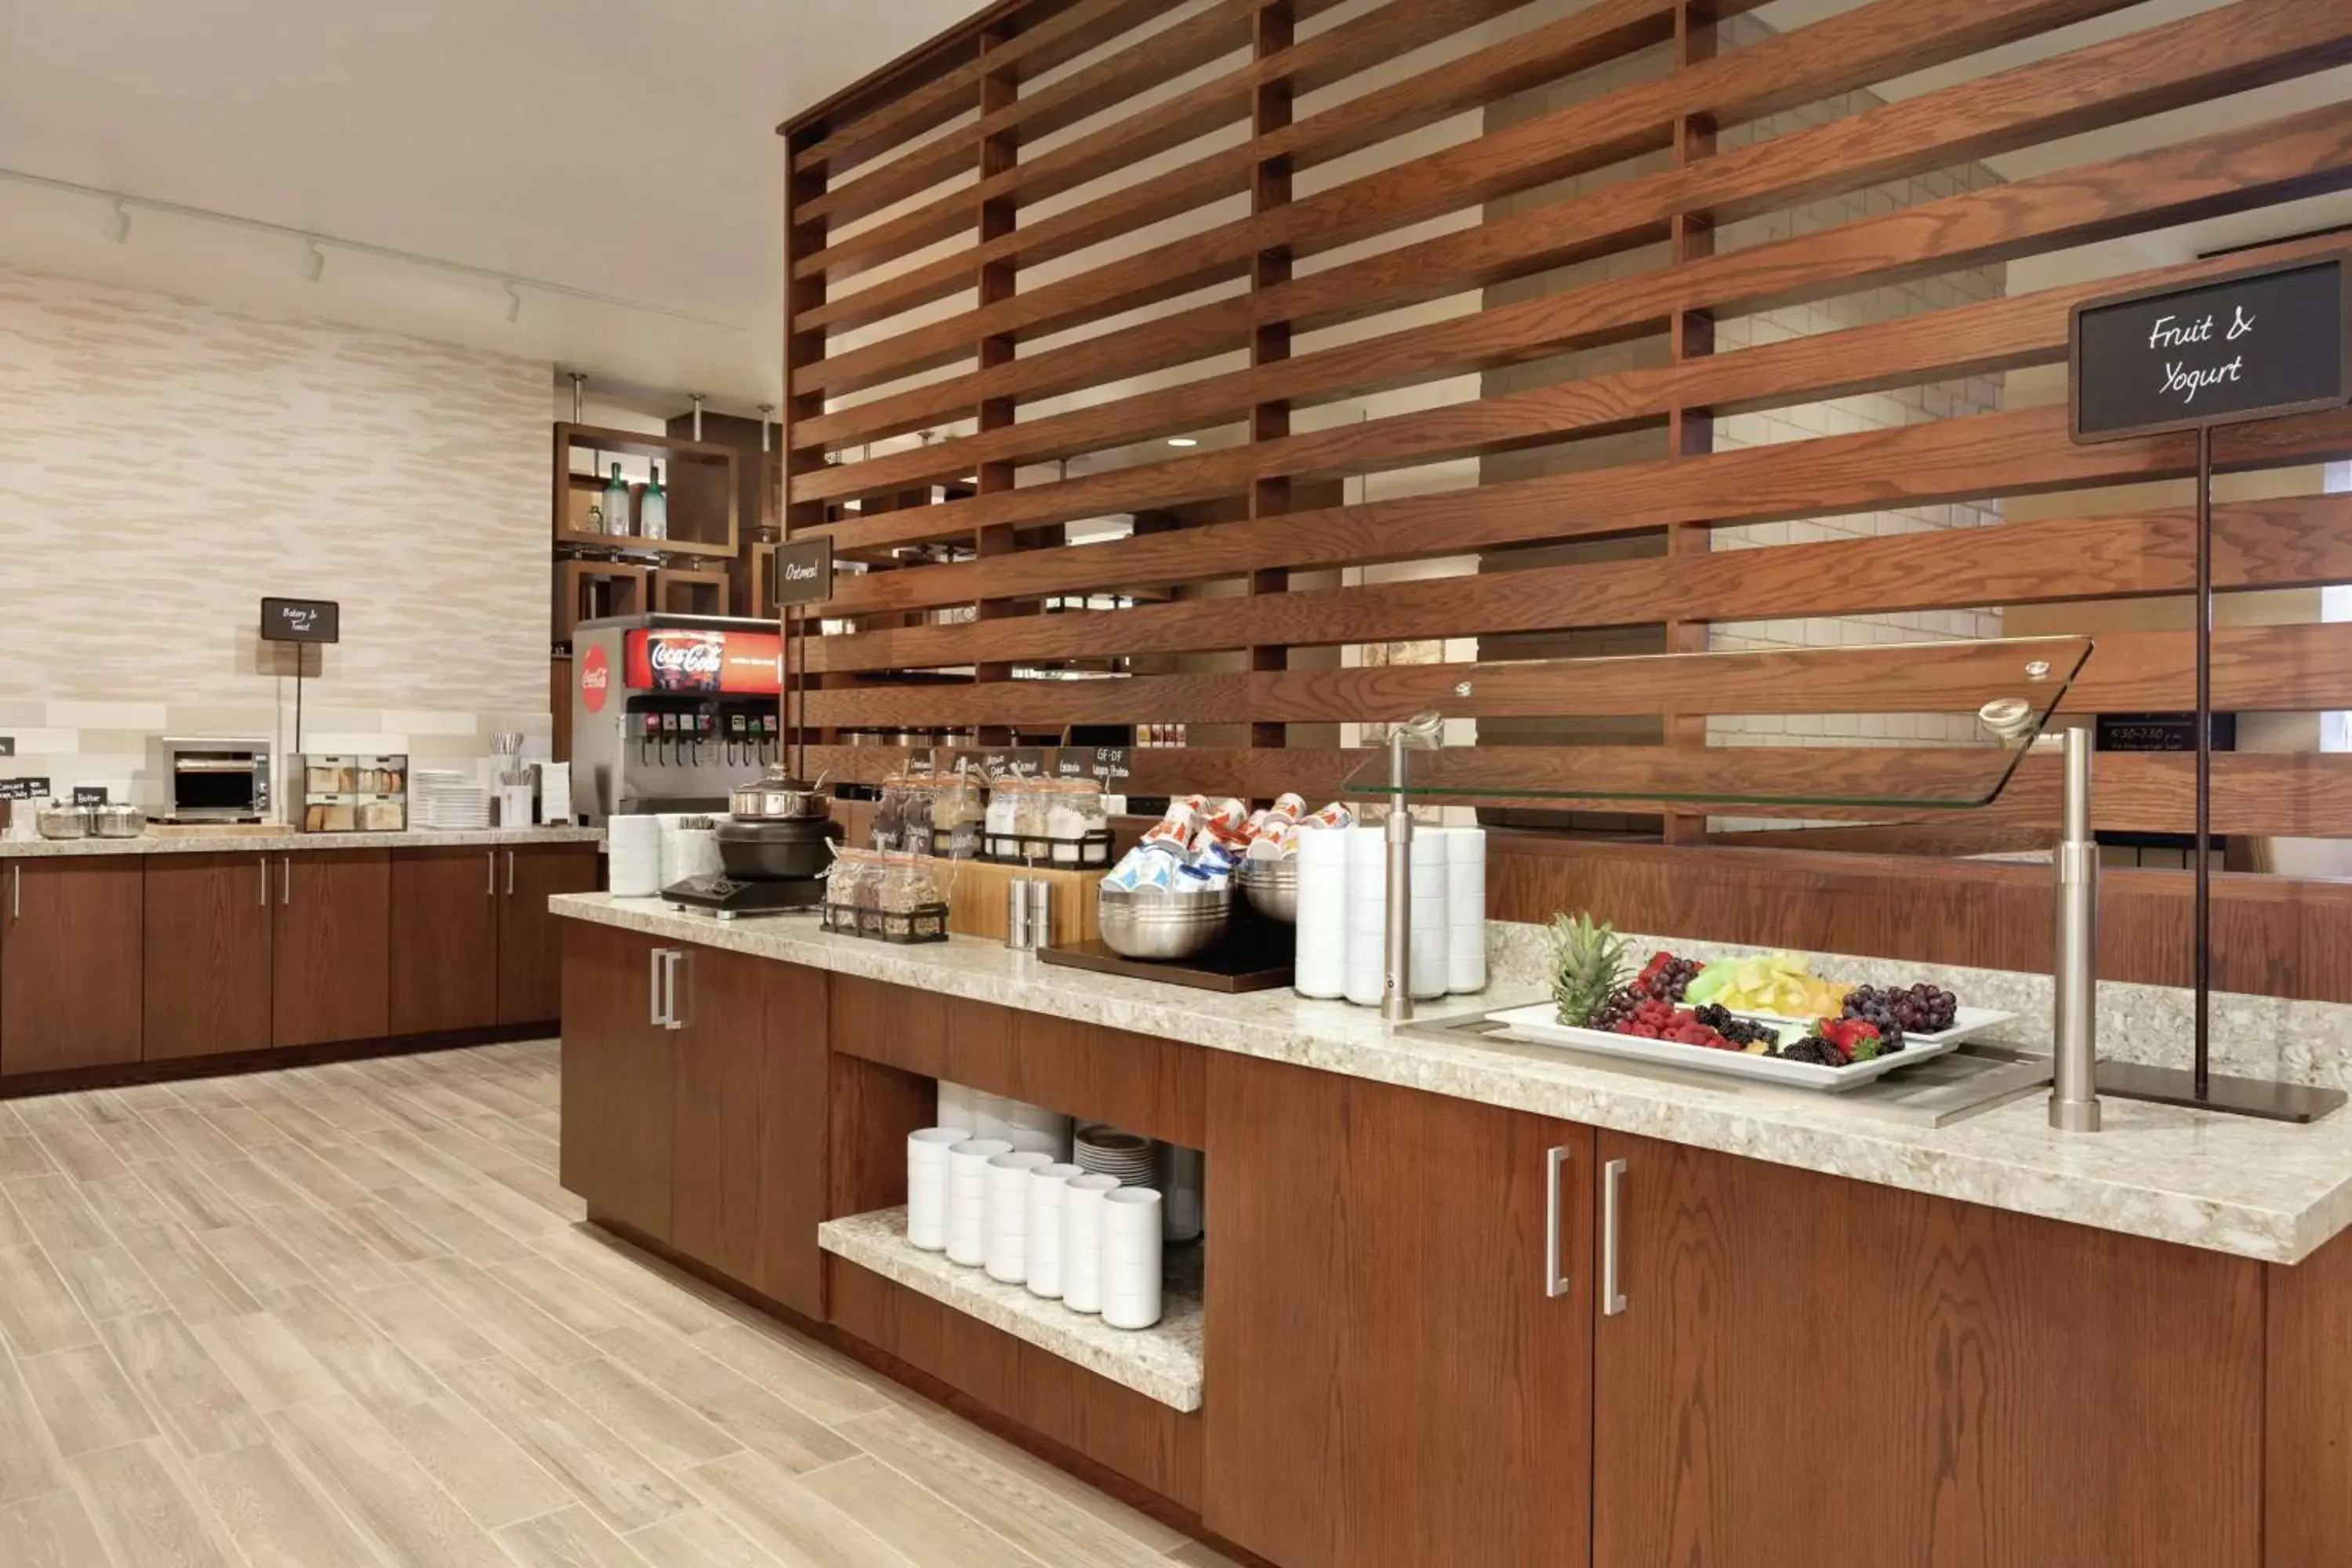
x,y
689,657
595,680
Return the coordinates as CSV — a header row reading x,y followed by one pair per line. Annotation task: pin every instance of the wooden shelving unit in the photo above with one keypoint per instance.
x,y
599,574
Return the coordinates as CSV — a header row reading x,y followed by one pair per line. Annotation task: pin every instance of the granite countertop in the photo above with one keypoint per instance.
x,y
2253,1189
276,840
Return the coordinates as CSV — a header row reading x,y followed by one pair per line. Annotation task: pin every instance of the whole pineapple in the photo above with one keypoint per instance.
x,y
1587,966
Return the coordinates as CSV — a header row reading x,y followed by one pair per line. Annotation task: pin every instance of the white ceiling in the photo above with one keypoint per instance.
x,y
622,146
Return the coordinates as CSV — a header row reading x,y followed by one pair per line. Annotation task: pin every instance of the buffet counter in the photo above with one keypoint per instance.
x,y
1456,1301
278,841
2253,1189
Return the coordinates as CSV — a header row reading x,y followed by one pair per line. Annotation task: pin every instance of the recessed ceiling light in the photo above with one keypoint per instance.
x,y
1183,441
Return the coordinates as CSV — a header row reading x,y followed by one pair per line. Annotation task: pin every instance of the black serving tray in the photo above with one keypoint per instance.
x,y
1261,963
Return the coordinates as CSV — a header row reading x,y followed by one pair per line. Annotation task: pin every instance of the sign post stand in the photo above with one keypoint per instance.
x,y
803,574
2263,343
300,622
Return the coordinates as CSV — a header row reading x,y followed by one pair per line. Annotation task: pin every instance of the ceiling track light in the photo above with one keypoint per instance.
x,y
514,302
117,227
314,261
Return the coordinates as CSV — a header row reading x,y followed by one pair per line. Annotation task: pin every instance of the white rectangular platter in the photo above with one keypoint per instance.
x,y
1540,1024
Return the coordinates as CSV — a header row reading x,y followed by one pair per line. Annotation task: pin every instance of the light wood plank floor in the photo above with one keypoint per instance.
x,y
345,1315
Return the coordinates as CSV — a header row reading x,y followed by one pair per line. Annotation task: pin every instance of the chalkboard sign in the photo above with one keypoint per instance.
x,y
90,794
922,763
804,572
2258,344
24,789
1072,764
2162,732
1110,764
301,620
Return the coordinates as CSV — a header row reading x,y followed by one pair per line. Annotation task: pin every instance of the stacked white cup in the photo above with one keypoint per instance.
x,y
1465,910
1320,967
968,1198
1130,1270
1083,1203
1008,1214
1426,976
633,850
1367,917
1047,1185
927,1185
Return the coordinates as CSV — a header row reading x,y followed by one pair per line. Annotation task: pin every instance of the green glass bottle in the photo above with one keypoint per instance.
x,y
616,503
653,510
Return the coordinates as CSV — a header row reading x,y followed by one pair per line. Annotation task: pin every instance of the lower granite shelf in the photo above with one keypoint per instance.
x,y
1160,1362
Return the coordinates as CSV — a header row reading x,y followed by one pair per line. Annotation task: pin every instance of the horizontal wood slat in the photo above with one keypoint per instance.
x,y
2020,452
2280,669
1857,48
2126,77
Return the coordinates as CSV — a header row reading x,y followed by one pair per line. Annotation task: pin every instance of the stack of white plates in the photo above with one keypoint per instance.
x,y
1006,1254
1106,1152
1128,1276
448,801
635,847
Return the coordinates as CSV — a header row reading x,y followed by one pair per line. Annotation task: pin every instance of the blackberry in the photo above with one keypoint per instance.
x,y
1740,1031
1818,1052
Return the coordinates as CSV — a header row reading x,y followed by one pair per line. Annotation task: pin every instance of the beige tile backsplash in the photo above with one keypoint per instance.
x,y
164,463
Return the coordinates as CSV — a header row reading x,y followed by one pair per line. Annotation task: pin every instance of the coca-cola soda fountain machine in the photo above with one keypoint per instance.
x,y
669,712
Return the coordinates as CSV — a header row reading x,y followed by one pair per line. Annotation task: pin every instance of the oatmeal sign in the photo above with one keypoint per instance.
x,y
2258,344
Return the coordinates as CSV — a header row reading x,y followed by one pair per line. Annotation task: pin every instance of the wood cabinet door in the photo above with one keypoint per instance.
x,y
445,939
717,1108
207,954
795,1146
71,963
1811,1370
617,1078
1394,1381
330,945
531,938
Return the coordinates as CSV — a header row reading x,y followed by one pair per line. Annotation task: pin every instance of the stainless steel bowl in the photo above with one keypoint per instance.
x,y
1149,923
1272,888
63,821
117,821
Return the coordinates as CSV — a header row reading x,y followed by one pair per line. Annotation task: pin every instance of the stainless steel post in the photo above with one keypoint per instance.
x,y
2074,1089
1396,968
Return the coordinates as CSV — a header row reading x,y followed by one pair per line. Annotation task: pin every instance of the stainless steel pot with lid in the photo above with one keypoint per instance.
x,y
116,821
777,796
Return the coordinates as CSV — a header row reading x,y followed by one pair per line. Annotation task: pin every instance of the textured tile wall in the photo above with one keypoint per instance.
x,y
165,463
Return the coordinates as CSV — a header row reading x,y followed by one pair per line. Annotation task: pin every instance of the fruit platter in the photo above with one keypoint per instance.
x,y
1763,1016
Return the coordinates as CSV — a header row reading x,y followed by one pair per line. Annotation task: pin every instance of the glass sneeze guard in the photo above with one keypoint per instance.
x,y
1994,696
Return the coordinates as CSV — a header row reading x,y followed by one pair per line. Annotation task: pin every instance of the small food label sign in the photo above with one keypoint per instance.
x,y
803,574
24,789
90,794
2258,344
1110,764
301,620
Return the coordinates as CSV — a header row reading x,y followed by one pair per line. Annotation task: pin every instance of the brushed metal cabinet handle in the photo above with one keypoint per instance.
x,y
653,974
1612,1298
510,873
489,873
1555,1281
286,880
262,866
17,892
671,960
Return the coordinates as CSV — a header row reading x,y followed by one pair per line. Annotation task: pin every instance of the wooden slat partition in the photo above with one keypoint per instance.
x,y
1294,243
